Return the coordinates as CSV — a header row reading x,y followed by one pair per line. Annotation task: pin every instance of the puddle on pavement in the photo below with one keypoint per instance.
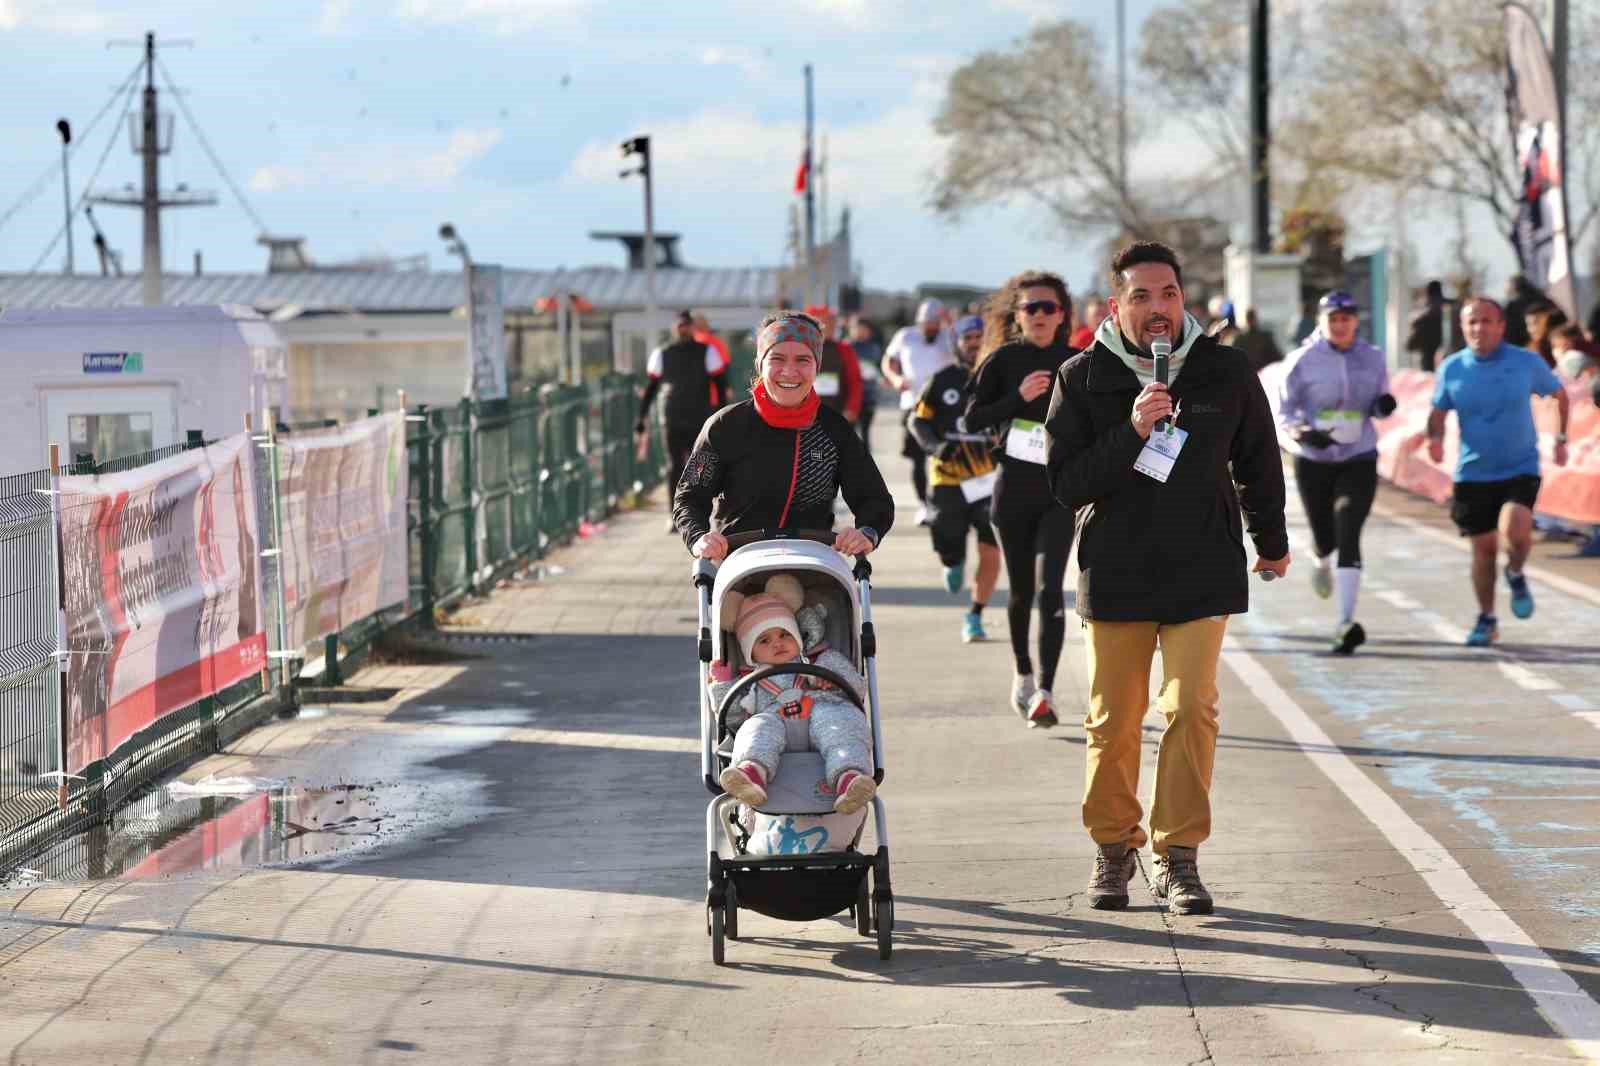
x,y
181,829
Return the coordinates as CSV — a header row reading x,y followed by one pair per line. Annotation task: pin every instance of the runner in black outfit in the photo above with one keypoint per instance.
x,y
1025,338
691,377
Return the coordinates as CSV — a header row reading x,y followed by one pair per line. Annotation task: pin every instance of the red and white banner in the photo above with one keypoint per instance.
x,y
342,494
162,591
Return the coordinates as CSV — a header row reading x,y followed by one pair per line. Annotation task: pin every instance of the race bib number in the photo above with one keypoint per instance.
x,y
1160,452
908,400
1027,441
979,488
1343,426
827,384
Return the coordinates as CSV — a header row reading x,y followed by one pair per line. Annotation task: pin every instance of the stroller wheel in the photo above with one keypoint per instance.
x,y
863,908
884,919
717,932
730,911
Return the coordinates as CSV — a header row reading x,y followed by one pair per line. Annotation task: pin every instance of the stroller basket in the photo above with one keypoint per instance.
x,y
794,890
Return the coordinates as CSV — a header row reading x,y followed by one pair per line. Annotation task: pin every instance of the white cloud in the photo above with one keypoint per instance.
x,y
741,59
382,165
501,16
54,16
333,16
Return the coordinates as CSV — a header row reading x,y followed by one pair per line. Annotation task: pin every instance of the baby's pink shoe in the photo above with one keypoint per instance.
x,y
745,783
854,792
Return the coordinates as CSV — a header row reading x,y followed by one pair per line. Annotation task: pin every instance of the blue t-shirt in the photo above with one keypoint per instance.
x,y
1489,395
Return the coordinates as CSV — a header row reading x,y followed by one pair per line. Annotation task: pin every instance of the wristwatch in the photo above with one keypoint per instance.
x,y
1561,438
870,533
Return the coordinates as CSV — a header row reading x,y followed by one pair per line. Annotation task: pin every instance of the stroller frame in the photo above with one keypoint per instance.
x,y
790,887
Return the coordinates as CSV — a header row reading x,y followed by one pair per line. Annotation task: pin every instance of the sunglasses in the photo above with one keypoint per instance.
x,y
1040,307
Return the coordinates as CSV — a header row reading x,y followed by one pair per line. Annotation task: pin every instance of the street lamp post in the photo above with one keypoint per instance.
x,y
64,128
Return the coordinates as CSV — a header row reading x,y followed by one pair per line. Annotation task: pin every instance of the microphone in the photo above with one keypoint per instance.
x,y
1161,348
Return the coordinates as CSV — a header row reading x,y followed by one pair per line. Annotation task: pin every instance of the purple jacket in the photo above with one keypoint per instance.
x,y
1333,390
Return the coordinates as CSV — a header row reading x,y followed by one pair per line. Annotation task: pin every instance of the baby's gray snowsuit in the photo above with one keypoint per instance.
x,y
797,712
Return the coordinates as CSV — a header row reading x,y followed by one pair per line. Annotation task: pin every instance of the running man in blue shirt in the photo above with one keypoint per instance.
x,y
1488,385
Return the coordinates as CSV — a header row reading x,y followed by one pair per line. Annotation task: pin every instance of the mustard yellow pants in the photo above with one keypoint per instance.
x,y
1120,655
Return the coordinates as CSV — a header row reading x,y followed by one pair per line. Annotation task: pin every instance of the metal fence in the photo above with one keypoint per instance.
x,y
492,485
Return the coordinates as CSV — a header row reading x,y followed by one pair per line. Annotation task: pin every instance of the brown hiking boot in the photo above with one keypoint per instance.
x,y
1177,882
1113,869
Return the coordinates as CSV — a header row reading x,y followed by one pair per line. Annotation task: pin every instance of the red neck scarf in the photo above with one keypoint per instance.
x,y
778,416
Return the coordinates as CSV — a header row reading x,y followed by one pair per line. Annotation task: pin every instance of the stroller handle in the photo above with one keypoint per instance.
x,y
744,684
863,569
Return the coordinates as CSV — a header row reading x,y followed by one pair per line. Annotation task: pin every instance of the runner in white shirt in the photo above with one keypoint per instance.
x,y
914,355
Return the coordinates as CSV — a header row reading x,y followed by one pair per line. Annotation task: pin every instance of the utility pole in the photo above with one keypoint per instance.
x,y
150,147
1260,138
811,210
1560,31
64,128
640,146
1122,100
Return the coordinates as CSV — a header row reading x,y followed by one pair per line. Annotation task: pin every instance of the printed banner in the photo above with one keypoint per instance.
x,y
1534,110
162,591
487,333
342,493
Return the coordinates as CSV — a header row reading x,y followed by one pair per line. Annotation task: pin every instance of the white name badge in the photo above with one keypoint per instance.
x,y
827,384
1343,426
1027,441
980,487
1160,452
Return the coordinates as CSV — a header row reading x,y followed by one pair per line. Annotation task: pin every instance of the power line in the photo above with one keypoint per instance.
x,y
261,227
111,143
32,192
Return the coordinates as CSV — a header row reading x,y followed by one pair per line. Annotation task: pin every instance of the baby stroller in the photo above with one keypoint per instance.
x,y
793,858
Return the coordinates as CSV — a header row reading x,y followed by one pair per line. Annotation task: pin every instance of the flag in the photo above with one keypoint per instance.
x,y
1543,244
803,173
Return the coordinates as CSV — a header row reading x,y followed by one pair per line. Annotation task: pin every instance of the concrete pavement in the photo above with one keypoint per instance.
x,y
533,891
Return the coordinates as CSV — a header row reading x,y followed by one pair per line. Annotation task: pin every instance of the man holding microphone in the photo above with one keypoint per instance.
x,y
1146,464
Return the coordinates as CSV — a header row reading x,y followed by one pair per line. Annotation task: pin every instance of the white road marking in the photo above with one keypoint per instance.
x,y
1565,584
1558,997
1526,679
1592,717
1399,600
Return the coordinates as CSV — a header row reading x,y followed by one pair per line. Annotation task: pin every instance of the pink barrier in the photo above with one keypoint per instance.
x,y
1571,493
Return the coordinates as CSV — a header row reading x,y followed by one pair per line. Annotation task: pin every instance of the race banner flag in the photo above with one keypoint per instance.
x,y
162,591
343,498
1540,232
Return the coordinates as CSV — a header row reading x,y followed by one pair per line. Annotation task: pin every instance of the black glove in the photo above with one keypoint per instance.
x,y
1383,406
639,427
1315,438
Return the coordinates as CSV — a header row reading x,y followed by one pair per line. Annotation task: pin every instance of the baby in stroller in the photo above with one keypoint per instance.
x,y
797,711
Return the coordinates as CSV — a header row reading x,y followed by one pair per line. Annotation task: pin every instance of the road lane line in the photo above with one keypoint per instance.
x,y
1524,678
1592,717
1397,599
1538,573
1558,997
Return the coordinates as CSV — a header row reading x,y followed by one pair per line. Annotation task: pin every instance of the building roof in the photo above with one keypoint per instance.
x,y
606,288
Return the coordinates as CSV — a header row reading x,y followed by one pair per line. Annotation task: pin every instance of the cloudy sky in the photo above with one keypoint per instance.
x,y
363,124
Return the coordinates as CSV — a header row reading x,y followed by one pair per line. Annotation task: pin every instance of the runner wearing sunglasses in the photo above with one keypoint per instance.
x,y
1024,344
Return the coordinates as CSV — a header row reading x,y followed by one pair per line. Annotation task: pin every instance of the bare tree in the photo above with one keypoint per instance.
x,y
1038,122
1421,104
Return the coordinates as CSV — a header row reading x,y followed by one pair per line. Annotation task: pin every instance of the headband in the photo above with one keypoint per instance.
x,y
788,329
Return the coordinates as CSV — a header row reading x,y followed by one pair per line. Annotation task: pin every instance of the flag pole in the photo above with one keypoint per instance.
x,y
811,207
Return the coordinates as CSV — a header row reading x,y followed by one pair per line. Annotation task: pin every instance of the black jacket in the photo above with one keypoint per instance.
x,y
745,475
994,400
939,424
1173,552
689,391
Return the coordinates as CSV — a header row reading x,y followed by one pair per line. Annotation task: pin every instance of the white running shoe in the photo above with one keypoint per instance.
x,y
1022,690
922,516
1322,580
